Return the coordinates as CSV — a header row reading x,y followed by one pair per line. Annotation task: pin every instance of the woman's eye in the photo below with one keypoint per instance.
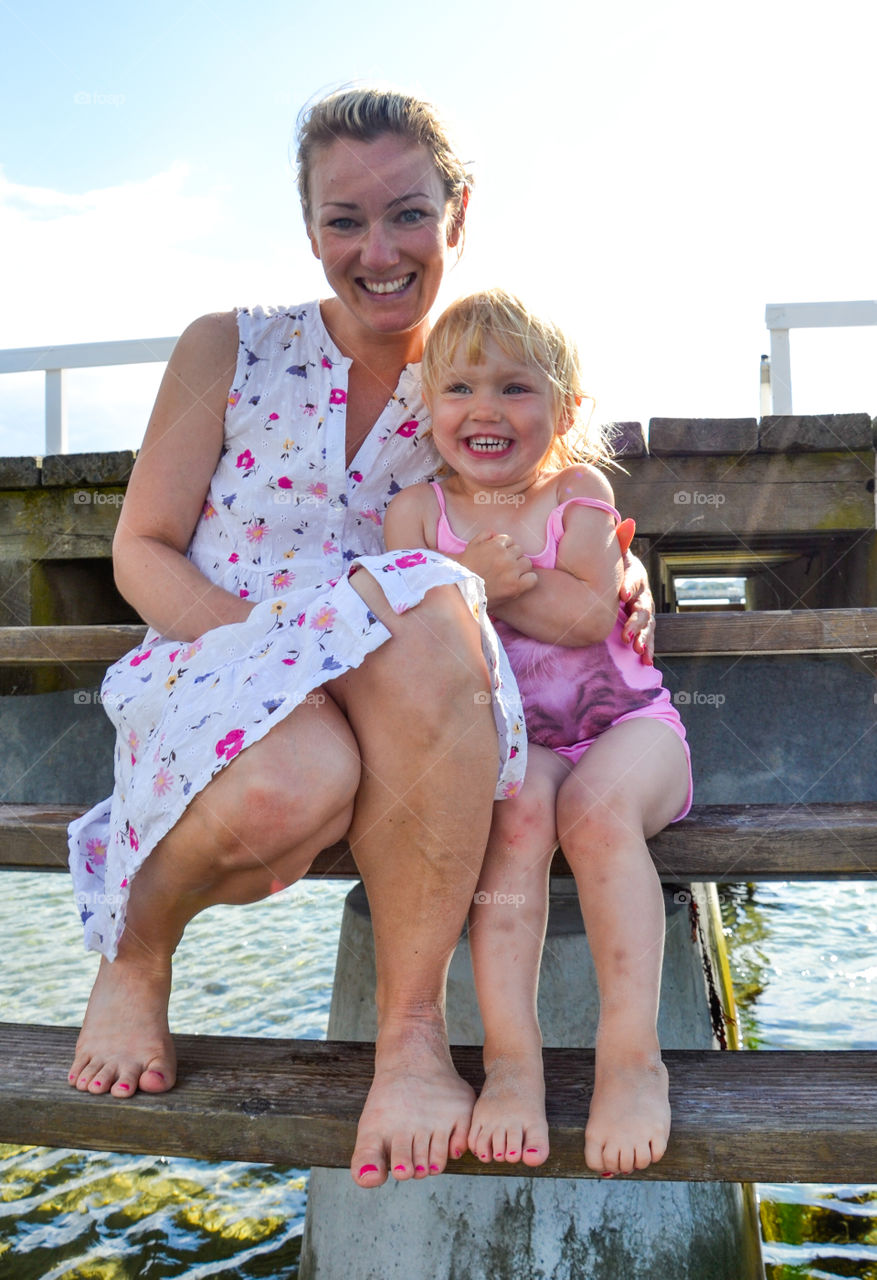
x,y
411,216
342,224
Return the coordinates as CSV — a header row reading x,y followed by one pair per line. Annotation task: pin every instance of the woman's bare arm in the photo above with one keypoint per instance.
x,y
168,486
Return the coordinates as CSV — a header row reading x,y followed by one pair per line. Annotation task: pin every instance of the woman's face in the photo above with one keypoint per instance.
x,y
380,226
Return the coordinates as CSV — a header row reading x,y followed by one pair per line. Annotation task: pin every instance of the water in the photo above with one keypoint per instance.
x,y
805,968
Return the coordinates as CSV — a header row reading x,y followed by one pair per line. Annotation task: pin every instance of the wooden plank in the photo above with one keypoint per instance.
x,y
790,1116
739,496
715,842
773,631
719,632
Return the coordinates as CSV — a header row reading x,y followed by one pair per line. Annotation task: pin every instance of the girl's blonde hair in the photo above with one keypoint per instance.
x,y
460,333
364,114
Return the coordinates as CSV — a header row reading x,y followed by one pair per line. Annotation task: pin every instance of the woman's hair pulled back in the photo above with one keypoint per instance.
x,y
461,332
364,114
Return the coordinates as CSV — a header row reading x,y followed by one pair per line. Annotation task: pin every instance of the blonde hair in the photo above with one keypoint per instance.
x,y
366,114
462,331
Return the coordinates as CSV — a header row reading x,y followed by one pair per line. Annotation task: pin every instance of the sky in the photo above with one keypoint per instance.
x,y
651,174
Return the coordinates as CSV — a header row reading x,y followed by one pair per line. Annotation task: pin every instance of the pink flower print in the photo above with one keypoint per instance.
x,y
243,593
96,851
281,580
407,428
300,620
246,460
208,510
188,653
256,532
284,482
326,362
133,839
308,409
324,619
337,396
408,562
318,489
370,514
231,744
273,417
329,547
511,789
141,657
356,477
234,398
162,782
233,558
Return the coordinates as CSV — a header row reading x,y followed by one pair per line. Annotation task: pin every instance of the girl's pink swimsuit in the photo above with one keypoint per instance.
x,y
572,695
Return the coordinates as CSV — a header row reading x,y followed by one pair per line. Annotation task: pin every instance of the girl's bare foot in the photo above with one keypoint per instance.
x,y
508,1123
125,1044
629,1121
418,1110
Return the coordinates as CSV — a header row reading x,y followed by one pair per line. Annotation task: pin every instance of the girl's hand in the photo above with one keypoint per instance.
x,y
506,571
639,630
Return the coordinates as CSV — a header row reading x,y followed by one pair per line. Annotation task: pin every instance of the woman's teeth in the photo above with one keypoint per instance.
x,y
487,444
387,286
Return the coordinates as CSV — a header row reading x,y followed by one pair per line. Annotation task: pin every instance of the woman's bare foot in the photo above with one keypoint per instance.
x,y
508,1123
629,1121
418,1110
125,1044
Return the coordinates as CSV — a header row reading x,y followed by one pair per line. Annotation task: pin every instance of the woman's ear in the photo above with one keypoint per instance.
x,y
455,227
624,533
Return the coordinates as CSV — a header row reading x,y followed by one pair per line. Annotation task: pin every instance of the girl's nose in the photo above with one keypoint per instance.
x,y
484,407
378,249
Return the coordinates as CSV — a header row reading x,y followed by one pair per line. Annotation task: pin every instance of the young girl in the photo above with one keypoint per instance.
x,y
523,505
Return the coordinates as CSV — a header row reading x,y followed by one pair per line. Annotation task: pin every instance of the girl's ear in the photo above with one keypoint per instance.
x,y
624,533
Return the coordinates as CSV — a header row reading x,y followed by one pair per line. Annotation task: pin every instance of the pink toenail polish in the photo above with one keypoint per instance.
x,y
511,1153
122,1085
433,1168
97,1084
368,1168
419,1168
399,1167
531,1151
456,1153
607,1175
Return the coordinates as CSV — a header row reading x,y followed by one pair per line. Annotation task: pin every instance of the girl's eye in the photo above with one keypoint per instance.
x,y
457,389
515,389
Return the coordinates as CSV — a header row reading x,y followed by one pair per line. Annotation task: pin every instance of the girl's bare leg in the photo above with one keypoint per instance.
x,y
428,744
627,786
506,932
256,825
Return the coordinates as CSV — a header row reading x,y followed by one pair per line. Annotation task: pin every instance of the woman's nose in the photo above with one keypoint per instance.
x,y
378,249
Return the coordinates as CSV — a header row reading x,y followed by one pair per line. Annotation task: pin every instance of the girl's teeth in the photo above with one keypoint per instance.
x,y
487,444
387,286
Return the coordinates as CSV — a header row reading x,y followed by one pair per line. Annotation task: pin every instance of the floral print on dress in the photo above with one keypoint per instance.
x,y
285,519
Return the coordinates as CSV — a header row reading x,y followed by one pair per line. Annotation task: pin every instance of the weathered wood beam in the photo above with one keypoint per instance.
x,y
790,1116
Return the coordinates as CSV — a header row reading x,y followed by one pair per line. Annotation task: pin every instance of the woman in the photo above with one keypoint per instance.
x,y
276,441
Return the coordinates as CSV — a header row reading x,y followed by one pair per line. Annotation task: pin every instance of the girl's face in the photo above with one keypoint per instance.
x,y
494,422
380,226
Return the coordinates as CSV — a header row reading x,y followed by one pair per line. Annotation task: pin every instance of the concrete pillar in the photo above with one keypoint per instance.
x,y
508,1228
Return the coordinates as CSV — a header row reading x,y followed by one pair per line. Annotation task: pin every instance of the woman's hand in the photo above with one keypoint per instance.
x,y
506,571
636,596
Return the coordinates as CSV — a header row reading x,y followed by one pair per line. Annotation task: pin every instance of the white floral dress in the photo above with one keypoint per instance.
x,y
284,520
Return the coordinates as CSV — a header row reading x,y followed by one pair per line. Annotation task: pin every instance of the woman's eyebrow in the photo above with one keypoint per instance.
x,y
404,199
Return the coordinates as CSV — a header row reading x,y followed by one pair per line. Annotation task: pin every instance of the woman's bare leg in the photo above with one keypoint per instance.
x,y
506,932
257,824
627,786
429,749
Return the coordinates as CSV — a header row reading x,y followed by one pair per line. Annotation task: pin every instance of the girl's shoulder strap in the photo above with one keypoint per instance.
x,y
445,538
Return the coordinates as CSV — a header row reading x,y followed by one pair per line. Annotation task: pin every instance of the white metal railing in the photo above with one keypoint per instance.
x,y
80,355
782,317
